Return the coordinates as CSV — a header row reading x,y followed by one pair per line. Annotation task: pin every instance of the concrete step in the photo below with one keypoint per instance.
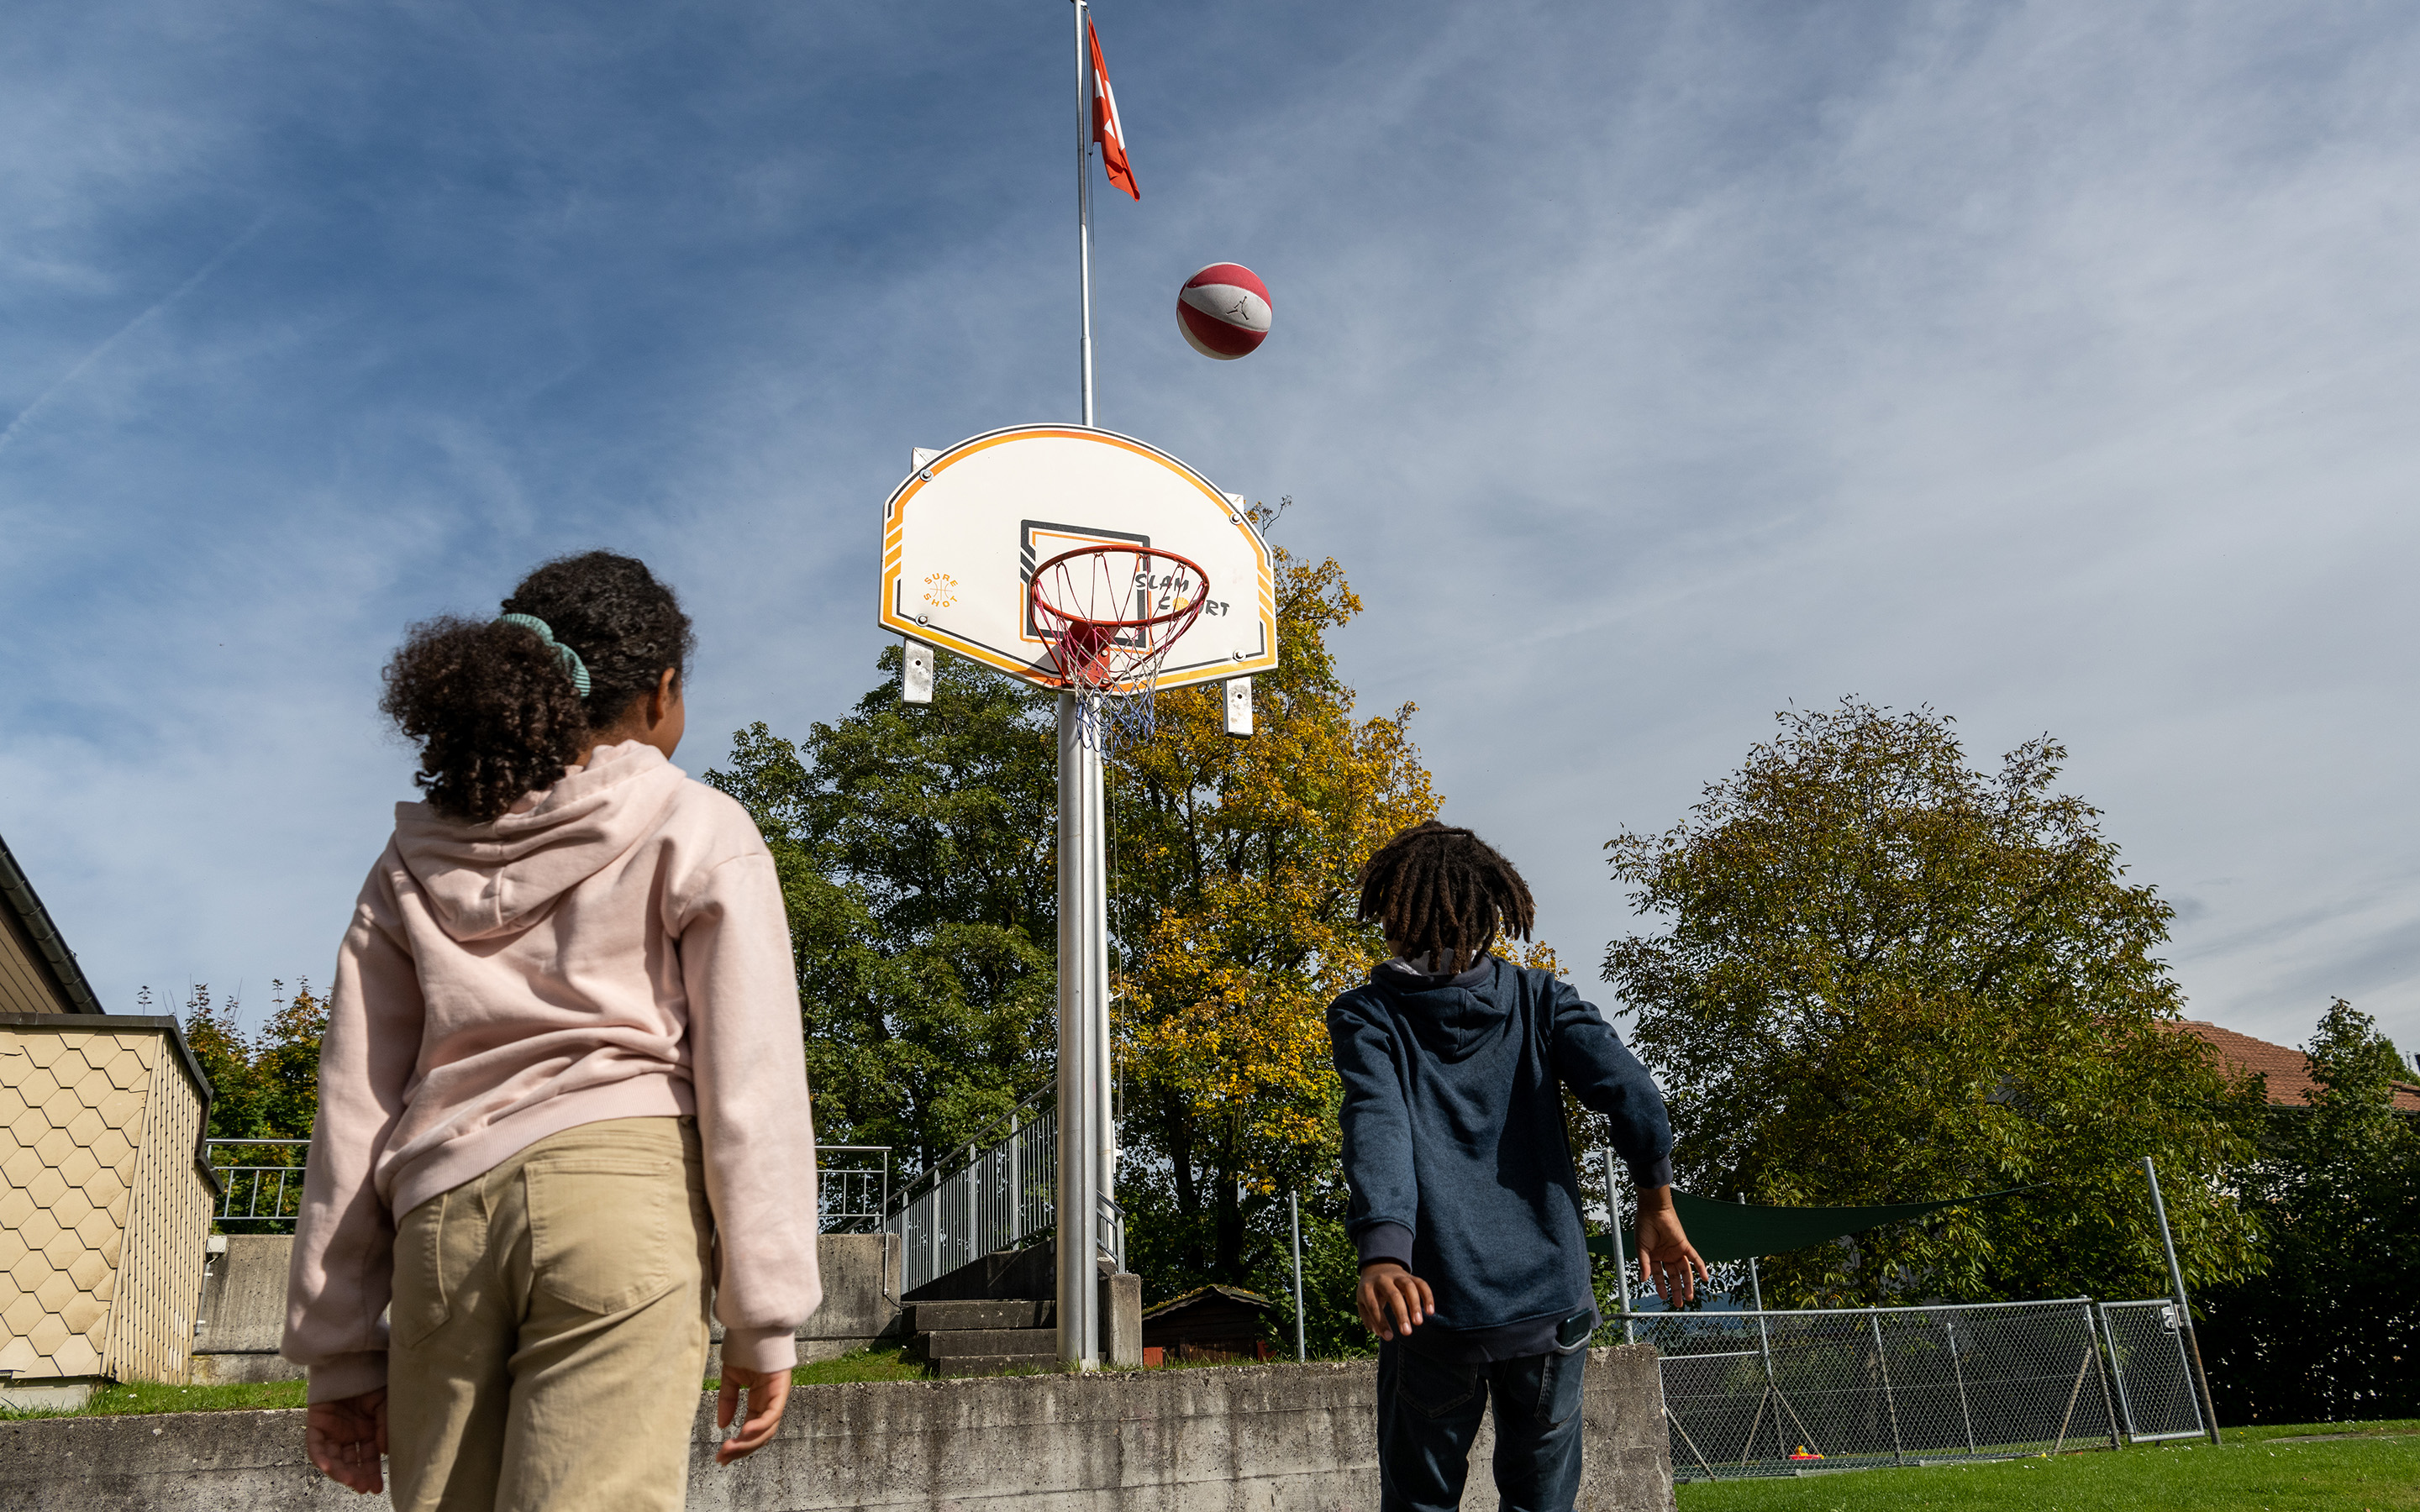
x,y
951,1342
946,1316
993,1365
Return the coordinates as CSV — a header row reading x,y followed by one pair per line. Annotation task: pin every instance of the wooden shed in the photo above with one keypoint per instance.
x,y
1209,1324
105,1193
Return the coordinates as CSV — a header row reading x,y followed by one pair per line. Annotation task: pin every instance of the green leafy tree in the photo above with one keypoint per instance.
x,y
2333,1331
264,1085
1889,977
915,849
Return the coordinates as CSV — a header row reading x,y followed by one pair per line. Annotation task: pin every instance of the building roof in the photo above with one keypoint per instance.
x,y
1212,1293
21,912
2286,1070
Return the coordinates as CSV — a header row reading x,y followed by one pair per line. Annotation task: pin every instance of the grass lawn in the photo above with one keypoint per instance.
x,y
2374,1468
150,1396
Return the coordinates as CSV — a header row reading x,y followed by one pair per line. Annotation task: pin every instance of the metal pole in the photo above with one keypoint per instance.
x,y
1293,1215
2184,1308
1890,1402
1949,1330
2117,1372
2100,1373
1621,1251
1083,975
1755,1289
1084,196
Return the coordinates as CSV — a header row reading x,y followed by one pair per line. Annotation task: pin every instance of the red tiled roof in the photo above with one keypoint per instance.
x,y
2287,1072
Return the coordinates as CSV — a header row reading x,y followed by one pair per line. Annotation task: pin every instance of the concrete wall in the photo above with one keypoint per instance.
x,y
244,1304
1268,1438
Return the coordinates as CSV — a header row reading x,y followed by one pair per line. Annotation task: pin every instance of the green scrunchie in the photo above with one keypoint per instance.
x,y
572,662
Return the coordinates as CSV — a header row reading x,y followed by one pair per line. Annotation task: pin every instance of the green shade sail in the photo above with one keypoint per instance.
x,y
1743,1231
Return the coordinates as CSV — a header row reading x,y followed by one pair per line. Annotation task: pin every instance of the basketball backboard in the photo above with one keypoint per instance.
x,y
962,535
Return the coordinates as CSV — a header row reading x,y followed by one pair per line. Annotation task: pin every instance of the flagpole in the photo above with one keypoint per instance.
x,y
1084,903
1084,199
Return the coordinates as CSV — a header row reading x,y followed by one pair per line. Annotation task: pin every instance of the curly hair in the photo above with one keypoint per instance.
x,y
492,707
1438,890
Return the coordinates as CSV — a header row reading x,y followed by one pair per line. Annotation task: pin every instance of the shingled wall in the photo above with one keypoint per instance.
x,y
104,1207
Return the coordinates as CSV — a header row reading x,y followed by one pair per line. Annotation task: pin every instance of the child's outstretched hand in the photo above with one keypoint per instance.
x,y
1667,1261
1391,1300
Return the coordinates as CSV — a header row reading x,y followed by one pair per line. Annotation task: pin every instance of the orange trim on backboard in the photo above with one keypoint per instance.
x,y
895,549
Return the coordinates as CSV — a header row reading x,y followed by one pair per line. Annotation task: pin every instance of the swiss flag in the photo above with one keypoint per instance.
x,y
1106,129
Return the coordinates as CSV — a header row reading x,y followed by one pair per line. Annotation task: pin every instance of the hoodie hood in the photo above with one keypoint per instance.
x,y
495,878
1451,1017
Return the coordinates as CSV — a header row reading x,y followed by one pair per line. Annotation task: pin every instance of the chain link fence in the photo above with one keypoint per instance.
x,y
2155,1386
1775,1392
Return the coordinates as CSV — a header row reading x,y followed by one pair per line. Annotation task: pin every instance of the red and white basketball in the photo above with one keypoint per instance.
x,y
1223,311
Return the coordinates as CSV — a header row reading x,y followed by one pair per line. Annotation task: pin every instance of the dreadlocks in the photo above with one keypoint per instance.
x,y
1441,891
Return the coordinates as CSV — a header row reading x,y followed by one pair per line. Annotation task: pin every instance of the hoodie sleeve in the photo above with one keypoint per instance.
x,y
1591,1060
341,1272
749,1061
1385,1211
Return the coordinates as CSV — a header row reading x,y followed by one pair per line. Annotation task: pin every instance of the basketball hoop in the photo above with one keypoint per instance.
x,y
1110,615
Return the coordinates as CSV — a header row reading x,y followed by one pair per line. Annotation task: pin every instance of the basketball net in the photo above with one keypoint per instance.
x,y
1110,615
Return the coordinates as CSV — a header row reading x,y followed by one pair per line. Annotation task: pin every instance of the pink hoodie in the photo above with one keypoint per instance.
x,y
614,948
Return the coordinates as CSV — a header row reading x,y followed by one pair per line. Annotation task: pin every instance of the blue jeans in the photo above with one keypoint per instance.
x,y
1429,1413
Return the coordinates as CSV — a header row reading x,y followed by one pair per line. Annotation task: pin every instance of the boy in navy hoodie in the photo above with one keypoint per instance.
x,y
1466,1205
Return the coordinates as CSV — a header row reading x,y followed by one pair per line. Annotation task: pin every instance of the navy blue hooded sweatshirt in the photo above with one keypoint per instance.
x,y
1455,1147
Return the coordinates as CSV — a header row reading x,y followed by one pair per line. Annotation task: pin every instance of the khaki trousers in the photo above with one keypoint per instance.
x,y
549,1327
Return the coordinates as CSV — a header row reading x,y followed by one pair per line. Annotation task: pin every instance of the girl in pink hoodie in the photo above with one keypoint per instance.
x,y
562,1098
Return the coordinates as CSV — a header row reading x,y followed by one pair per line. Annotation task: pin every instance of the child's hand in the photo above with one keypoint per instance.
x,y
769,1392
345,1437
1392,1300
1667,1261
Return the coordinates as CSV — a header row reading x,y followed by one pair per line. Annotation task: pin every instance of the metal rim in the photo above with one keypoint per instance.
x,y
1193,607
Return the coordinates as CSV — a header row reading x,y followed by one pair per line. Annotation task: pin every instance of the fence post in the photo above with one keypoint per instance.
x,y
2117,1371
1957,1370
1890,1403
2109,1409
1621,1251
2184,1308
1293,1215
1764,1335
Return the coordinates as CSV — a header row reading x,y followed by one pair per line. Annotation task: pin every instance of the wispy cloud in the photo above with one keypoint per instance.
x,y
1649,369
167,301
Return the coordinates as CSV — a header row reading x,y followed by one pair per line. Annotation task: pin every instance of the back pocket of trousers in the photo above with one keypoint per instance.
x,y
1433,1389
601,1230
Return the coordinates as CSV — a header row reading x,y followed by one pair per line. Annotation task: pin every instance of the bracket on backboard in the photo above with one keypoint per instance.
x,y
1239,706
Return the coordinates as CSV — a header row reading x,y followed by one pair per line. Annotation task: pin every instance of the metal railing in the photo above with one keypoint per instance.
x,y
1751,1394
992,1196
2147,1354
260,1183
260,1180
852,1188
987,1199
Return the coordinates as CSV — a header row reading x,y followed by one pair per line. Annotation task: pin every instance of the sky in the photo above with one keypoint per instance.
x,y
1650,368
